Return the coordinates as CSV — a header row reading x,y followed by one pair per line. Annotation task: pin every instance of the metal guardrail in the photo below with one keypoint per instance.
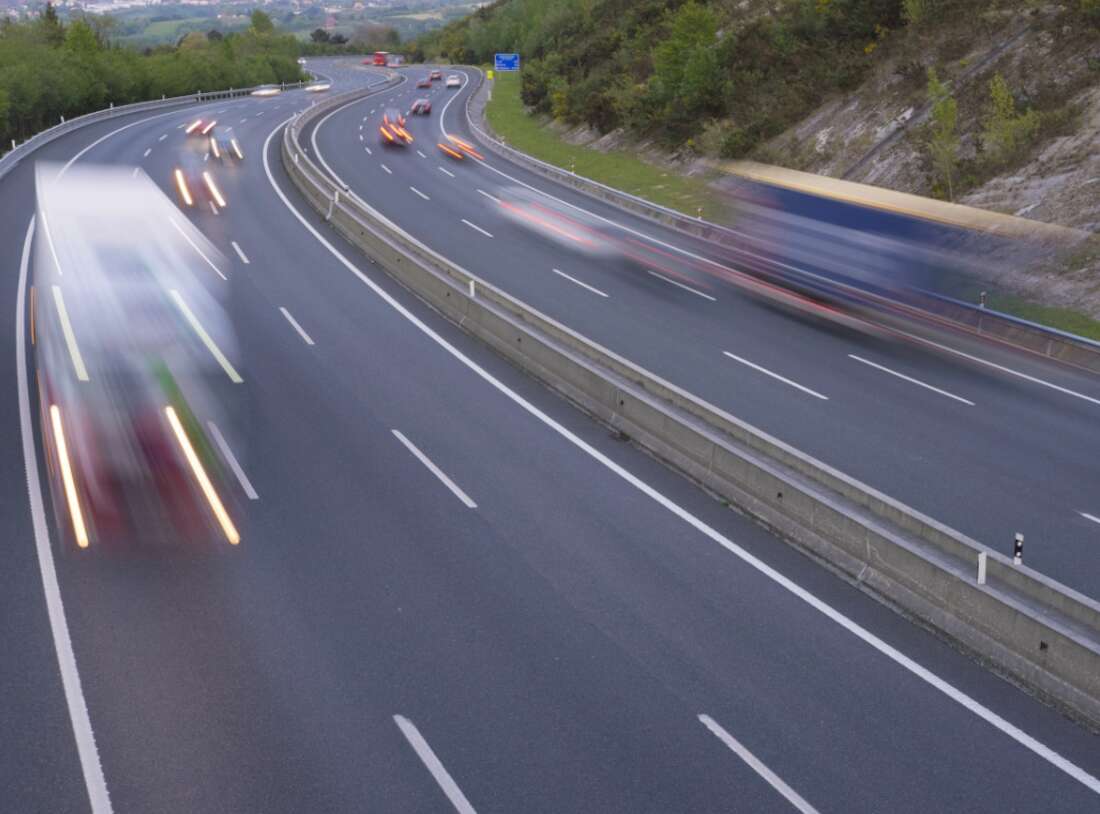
x,y
11,158
1050,343
1042,633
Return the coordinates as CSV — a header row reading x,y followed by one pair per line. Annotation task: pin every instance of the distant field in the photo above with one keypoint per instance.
x,y
170,29
616,168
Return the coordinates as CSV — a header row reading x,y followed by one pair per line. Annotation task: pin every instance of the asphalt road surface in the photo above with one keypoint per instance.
x,y
455,592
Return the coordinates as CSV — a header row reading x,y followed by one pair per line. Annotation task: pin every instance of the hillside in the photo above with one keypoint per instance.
x,y
838,87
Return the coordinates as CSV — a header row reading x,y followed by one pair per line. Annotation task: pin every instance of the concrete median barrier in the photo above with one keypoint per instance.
x,y
1034,630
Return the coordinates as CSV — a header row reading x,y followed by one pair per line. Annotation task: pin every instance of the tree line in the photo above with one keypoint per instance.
x,y
50,69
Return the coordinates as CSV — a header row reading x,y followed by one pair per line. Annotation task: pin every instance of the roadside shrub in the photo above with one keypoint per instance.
x,y
1006,133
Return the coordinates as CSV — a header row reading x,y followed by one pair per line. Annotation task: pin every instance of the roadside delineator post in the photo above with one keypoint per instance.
x,y
982,557
981,302
473,291
1018,549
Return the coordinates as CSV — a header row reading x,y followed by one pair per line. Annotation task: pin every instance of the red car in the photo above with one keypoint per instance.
x,y
424,83
421,107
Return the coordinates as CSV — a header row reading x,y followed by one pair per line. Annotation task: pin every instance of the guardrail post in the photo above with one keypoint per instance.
x,y
13,144
981,300
332,204
473,290
62,119
982,557
112,105
1018,549
296,157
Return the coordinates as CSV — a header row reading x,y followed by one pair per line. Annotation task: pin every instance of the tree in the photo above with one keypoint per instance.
x,y
338,39
1006,133
319,35
261,22
52,30
214,35
943,141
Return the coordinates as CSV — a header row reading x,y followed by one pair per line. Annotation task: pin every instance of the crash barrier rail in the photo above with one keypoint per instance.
x,y
11,158
1037,631
1048,342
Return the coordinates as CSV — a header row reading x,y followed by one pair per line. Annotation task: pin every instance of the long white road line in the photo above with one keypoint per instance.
x,y
940,685
90,765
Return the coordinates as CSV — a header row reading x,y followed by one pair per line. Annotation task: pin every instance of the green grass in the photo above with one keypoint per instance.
x,y
617,169
170,29
1064,319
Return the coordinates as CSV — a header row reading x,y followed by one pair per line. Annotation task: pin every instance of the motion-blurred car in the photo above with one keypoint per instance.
x,y
318,87
393,129
426,82
454,81
435,75
301,60
194,183
200,127
224,147
458,148
131,347
559,222
421,107
267,90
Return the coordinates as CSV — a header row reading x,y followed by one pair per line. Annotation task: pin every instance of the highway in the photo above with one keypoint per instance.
x,y
1017,436
454,591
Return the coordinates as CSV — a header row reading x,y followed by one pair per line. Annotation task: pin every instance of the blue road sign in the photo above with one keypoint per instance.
x,y
506,62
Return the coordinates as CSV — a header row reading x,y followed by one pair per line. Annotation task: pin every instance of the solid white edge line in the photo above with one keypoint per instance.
x,y
910,379
70,337
206,339
240,253
421,194
434,765
694,291
187,237
234,464
593,289
435,470
90,765
754,763
1091,517
476,227
297,327
831,613
775,376
49,242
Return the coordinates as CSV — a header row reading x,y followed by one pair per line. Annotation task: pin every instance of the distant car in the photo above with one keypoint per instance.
x,y
318,87
454,81
435,75
267,90
393,129
301,60
426,82
421,107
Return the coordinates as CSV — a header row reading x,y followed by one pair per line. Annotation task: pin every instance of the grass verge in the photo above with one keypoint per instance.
x,y
616,168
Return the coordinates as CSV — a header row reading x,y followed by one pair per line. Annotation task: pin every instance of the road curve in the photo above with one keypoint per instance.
x,y
456,592
990,445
